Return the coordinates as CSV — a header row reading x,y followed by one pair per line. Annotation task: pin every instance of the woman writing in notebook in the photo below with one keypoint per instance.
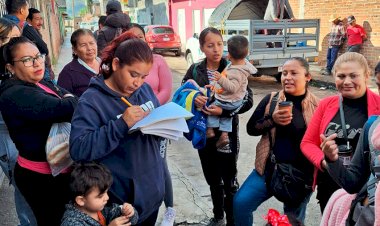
x,y
102,121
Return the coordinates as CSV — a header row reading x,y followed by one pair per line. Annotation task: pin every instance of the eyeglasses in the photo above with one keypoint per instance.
x,y
29,61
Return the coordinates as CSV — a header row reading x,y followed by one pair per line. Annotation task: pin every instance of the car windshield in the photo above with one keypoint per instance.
x,y
163,30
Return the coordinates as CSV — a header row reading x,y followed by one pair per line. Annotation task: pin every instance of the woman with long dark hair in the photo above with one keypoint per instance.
x,y
101,123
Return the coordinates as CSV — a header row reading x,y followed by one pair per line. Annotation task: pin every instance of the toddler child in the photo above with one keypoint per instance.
x,y
89,184
233,87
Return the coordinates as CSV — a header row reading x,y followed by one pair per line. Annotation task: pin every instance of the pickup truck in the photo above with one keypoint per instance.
x,y
268,52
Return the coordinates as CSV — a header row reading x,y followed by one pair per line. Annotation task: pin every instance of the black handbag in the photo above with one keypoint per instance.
x,y
285,182
289,184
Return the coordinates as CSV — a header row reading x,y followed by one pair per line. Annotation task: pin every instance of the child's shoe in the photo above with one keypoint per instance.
x,y
210,133
168,219
223,140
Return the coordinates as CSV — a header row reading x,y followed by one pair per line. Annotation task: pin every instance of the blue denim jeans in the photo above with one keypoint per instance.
x,y
332,54
7,164
223,123
252,193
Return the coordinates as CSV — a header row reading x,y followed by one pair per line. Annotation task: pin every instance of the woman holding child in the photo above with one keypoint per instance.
x,y
218,164
101,123
281,132
355,102
30,105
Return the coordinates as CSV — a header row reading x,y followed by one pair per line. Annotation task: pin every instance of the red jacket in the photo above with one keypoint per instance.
x,y
325,112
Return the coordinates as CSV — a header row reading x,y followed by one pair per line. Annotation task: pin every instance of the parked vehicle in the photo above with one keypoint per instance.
x,y
162,38
91,25
268,52
193,52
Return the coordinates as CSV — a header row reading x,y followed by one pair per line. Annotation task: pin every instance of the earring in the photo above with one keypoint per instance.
x,y
6,75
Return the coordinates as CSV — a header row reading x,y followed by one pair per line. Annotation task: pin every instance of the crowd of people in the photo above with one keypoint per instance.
x,y
122,178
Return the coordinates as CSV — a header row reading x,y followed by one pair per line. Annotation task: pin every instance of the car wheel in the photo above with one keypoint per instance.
x,y
178,52
189,59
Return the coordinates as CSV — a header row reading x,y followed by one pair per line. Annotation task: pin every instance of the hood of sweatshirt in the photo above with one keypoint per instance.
x,y
247,69
74,216
117,20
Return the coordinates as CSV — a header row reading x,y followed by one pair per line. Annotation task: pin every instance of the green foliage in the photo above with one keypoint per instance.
x,y
83,12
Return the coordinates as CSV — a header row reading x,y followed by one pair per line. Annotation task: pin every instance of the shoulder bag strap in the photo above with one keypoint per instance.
x,y
343,120
272,106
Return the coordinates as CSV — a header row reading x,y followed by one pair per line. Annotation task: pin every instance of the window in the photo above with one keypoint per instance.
x,y
163,30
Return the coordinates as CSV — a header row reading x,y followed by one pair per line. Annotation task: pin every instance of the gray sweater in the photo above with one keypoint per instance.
x,y
74,217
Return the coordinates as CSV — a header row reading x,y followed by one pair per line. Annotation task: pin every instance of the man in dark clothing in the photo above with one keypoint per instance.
x,y
36,21
101,21
114,25
18,12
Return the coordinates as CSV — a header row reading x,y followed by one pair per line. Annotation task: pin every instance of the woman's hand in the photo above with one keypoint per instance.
x,y
133,114
282,117
118,221
212,110
329,147
200,101
128,210
217,75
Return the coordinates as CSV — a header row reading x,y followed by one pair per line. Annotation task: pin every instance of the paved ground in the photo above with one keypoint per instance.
x,y
191,193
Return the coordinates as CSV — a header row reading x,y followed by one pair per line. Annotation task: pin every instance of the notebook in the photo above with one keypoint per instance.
x,y
168,121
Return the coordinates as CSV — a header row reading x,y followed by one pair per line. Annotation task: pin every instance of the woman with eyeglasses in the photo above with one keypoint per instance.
x,y
8,151
30,105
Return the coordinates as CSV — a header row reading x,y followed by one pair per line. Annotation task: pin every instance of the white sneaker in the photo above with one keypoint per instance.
x,y
168,219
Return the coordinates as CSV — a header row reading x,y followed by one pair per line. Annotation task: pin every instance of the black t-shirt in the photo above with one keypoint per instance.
x,y
288,138
356,114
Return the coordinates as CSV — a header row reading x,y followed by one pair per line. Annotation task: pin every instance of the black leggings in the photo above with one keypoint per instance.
x,y
150,221
46,195
220,172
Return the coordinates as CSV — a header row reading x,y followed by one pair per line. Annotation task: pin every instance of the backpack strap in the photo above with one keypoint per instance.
x,y
195,71
374,166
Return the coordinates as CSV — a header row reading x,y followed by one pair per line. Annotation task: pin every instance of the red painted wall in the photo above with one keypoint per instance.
x,y
189,6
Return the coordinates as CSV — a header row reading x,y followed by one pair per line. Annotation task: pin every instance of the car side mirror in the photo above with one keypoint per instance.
x,y
195,35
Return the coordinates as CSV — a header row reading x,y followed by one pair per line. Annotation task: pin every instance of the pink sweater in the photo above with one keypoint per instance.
x,y
160,79
337,208
325,112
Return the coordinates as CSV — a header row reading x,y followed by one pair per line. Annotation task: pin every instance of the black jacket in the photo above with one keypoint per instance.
x,y
29,113
200,76
114,24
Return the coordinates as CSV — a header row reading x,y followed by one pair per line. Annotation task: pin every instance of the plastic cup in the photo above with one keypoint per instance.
x,y
286,105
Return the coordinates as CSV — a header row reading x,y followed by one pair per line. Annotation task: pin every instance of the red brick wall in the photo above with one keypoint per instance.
x,y
366,13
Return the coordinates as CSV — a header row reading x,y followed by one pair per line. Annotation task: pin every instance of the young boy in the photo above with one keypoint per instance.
x,y
89,185
233,87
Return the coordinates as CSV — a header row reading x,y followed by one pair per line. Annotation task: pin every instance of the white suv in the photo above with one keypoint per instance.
x,y
193,52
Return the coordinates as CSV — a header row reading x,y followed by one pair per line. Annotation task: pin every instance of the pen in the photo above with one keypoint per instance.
x,y
126,101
